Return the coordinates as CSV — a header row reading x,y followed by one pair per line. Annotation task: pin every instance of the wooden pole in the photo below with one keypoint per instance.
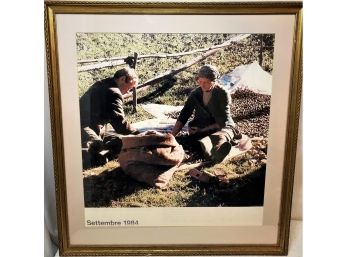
x,y
261,52
135,89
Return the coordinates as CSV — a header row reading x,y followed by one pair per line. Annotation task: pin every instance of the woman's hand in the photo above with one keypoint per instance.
x,y
177,127
194,130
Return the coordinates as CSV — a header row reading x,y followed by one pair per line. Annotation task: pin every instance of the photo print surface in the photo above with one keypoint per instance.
x,y
195,131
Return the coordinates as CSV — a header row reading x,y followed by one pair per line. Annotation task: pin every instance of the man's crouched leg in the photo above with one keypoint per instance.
x,y
91,154
112,145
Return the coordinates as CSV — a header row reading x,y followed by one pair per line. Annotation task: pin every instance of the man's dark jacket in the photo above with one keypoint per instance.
x,y
101,104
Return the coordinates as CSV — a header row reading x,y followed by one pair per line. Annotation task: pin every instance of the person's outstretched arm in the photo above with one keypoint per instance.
x,y
116,114
184,115
177,128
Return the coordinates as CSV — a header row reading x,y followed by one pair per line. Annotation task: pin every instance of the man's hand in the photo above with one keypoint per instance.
x,y
132,130
135,132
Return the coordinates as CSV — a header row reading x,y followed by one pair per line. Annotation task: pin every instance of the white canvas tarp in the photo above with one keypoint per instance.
x,y
164,125
250,76
160,110
161,122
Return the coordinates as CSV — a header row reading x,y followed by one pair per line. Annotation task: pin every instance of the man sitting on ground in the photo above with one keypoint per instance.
x,y
102,104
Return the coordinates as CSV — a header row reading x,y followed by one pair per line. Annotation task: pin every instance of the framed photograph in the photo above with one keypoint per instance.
x,y
174,125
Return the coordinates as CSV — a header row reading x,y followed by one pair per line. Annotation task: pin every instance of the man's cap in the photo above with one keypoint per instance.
x,y
209,71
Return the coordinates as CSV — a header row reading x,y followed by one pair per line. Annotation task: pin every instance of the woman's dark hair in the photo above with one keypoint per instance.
x,y
128,72
209,71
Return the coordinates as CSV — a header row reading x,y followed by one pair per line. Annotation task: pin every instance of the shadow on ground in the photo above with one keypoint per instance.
x,y
246,190
100,190
109,188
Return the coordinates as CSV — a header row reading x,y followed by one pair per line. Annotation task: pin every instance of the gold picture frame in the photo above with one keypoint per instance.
x,y
56,11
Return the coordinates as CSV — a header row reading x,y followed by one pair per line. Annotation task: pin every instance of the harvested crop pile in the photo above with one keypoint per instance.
x,y
250,111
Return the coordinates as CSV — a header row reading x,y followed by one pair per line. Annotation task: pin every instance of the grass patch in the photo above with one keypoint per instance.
x,y
108,186
140,115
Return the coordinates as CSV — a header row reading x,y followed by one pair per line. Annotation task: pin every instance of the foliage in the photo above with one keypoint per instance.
x,y
106,45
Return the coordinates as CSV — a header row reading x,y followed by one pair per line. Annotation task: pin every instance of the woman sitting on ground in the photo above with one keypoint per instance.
x,y
212,124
